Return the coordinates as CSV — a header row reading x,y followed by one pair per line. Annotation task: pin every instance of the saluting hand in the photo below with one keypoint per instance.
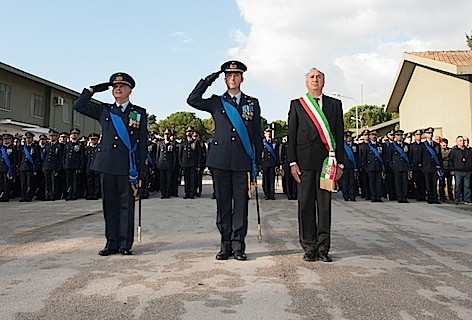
x,y
296,173
100,87
212,77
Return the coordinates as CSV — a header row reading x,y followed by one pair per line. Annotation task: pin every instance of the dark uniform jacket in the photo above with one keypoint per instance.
x,y
416,150
24,163
304,141
12,154
397,162
388,148
188,153
53,156
90,152
371,161
227,151
427,160
166,155
74,155
267,158
355,150
112,156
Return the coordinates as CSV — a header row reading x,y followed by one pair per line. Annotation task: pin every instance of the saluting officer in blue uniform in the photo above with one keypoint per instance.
x,y
30,161
119,158
228,157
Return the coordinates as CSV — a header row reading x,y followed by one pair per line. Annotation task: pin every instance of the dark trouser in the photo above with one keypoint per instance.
x,y
375,183
175,182
314,213
431,180
268,176
72,180
40,183
231,192
348,184
144,190
165,182
6,186
446,182
189,180
418,178
401,184
290,183
462,179
52,185
27,185
93,184
118,210
365,188
198,181
390,184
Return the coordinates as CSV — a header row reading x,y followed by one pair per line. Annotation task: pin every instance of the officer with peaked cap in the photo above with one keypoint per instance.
x,y
74,160
93,176
120,157
363,176
400,165
431,159
188,159
52,165
351,169
29,155
269,161
416,151
227,155
8,159
166,160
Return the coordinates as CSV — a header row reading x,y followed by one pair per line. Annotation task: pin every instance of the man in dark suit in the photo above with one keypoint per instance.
x,y
306,154
290,183
236,115
29,163
120,158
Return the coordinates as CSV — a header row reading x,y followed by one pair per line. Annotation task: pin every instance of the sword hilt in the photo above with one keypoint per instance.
x,y
259,229
139,233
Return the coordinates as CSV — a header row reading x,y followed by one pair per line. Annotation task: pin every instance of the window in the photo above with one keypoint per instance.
x,y
5,97
37,105
66,112
78,119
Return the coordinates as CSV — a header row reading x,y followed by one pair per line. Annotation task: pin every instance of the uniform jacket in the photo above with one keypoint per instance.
x,y
388,147
188,153
53,156
151,155
304,142
112,156
74,155
90,155
355,150
24,164
227,151
267,159
416,150
372,163
397,162
12,154
166,155
427,160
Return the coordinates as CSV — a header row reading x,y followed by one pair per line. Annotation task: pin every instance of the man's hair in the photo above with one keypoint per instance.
x,y
445,140
316,69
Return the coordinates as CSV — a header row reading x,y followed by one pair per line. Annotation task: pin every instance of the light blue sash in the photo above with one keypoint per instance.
x,y
269,147
28,157
350,155
377,155
7,162
402,153
241,129
432,152
124,136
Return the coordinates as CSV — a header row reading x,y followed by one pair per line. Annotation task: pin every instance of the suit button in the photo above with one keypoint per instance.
x,y
107,118
131,132
116,137
114,146
233,129
233,138
216,142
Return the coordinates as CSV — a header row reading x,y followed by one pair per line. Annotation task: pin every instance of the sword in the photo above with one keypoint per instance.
x,y
258,211
139,219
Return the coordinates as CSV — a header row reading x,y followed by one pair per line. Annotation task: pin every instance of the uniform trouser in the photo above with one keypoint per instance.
x,y
268,176
189,180
431,181
390,184
198,180
314,213
290,183
446,182
462,179
375,183
231,192
401,184
348,184
93,184
73,181
174,186
144,190
40,184
27,184
52,184
165,182
118,210
6,186
419,180
365,188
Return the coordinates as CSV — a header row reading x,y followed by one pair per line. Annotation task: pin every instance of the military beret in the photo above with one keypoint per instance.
x,y
123,78
75,130
429,130
399,131
233,66
7,136
29,134
43,137
53,132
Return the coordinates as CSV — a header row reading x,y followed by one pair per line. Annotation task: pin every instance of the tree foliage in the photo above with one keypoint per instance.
x,y
179,121
369,115
469,40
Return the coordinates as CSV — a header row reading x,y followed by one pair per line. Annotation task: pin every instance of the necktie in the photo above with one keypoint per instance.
x,y
235,100
317,101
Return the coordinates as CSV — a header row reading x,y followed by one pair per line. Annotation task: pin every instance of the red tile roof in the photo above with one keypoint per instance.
x,y
458,57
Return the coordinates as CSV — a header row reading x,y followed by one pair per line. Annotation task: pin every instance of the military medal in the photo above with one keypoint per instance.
x,y
134,119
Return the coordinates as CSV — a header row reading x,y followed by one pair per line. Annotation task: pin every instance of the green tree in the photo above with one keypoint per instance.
x,y
152,123
209,125
369,115
179,121
469,40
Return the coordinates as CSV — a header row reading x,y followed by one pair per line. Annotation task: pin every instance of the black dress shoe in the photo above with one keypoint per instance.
x,y
126,252
223,255
310,255
107,252
324,256
239,255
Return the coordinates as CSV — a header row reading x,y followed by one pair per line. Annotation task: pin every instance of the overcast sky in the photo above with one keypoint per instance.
x,y
167,46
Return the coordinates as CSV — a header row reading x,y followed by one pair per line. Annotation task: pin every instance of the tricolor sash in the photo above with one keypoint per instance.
x,y
328,171
241,129
122,132
269,148
7,162
29,157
